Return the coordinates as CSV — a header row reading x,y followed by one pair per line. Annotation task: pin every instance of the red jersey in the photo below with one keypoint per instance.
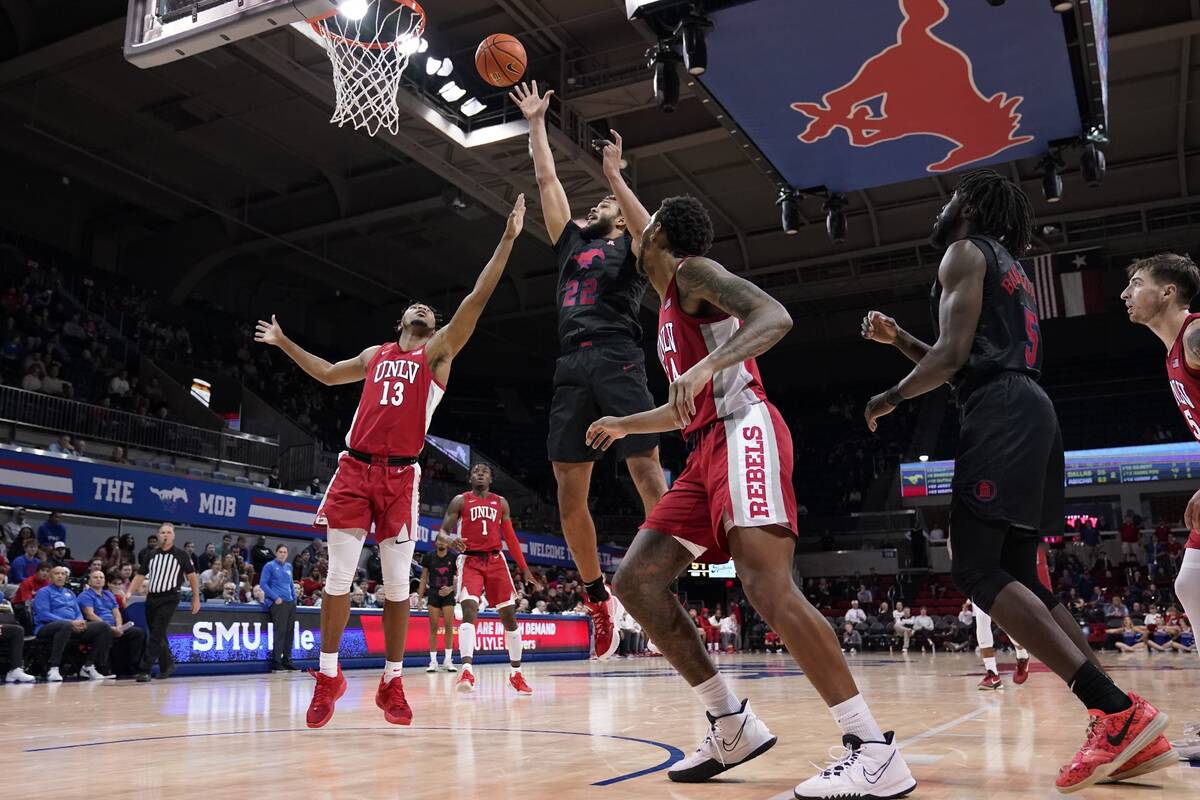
x,y
1185,381
480,521
398,399
684,340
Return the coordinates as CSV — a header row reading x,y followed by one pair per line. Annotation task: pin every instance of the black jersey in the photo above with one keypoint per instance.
x,y
1008,337
440,570
599,288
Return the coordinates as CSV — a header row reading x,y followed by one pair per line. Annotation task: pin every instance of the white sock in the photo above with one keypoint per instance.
x,y
512,640
990,664
1022,653
392,669
433,656
329,665
466,640
717,697
449,655
854,718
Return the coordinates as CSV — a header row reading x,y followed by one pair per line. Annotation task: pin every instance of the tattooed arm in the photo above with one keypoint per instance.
x,y
1191,345
705,288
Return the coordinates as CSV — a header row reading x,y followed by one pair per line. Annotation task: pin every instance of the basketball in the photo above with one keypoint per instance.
x,y
500,59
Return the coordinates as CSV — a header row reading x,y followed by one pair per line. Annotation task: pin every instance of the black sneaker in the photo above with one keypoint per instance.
x,y
289,665
143,677
166,673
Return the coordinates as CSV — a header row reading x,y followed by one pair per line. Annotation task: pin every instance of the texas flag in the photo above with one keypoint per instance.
x,y
1069,284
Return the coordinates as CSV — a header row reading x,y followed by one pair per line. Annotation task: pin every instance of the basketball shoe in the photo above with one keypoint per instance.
x,y
1112,740
1158,755
325,696
603,616
517,682
390,699
991,681
1189,745
732,739
1022,672
466,681
861,769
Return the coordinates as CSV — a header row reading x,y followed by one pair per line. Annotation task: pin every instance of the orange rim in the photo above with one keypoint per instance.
x,y
418,30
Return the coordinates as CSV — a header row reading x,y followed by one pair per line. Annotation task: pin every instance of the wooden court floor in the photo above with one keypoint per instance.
x,y
602,731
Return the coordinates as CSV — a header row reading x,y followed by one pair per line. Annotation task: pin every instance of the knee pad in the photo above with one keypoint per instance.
x,y
983,629
396,559
345,547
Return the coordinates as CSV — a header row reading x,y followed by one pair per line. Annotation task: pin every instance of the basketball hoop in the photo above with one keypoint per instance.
x,y
369,55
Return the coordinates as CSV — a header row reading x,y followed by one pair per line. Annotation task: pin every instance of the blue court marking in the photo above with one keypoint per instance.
x,y
674,754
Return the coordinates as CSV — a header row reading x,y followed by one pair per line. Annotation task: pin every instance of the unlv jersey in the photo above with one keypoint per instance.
x,y
398,400
479,522
1008,337
1185,381
684,340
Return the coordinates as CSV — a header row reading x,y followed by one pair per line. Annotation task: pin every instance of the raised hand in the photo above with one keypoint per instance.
x,y
611,153
526,98
878,327
269,332
516,219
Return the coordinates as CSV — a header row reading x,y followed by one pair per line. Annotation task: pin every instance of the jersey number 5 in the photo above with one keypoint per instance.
x,y
1033,332
579,292
396,390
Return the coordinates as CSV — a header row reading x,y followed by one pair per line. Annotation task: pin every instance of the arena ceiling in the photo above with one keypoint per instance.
x,y
220,175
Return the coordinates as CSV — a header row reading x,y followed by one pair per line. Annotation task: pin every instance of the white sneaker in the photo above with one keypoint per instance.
x,y
858,769
90,673
448,665
1188,747
53,676
19,675
732,739
432,667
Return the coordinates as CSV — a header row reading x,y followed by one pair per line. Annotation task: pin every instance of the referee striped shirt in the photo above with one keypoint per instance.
x,y
165,569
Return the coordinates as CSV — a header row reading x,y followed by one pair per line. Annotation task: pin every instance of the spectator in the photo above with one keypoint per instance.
x,y
226,545
12,643
923,629
205,559
902,624
213,579
12,528
373,565
58,620
119,386
260,555
358,598
54,385
937,534
314,583
63,446
279,595
728,627
26,564
151,546
109,553
59,556
631,634
865,597
314,486
1116,608
855,615
851,639
229,594
273,480
190,549
98,604
32,585
242,550
540,608
52,530
119,455
1128,532
32,382
1089,537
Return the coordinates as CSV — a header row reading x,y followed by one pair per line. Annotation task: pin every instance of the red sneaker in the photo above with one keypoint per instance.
x,y
1112,740
1159,755
325,696
1022,673
602,614
517,681
466,681
991,681
390,698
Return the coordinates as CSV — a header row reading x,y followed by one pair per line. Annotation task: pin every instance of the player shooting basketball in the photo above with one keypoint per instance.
x,y
377,479
602,369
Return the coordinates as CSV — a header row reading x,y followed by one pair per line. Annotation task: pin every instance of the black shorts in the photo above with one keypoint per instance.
x,y
437,601
604,380
1009,465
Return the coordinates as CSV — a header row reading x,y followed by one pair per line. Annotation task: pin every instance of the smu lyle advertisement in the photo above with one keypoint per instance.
x,y
241,637
83,486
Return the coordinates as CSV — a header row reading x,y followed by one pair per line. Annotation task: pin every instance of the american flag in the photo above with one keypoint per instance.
x,y
1068,284
1043,283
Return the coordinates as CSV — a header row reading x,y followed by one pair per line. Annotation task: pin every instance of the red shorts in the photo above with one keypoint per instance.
x,y
1193,542
372,497
738,476
482,576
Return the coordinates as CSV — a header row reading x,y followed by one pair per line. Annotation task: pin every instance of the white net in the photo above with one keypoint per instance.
x,y
369,55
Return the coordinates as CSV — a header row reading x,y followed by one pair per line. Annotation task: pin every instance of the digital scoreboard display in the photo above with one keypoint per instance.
x,y
1111,465
698,570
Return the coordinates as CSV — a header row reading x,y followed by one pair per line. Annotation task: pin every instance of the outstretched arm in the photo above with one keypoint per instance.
x,y
348,371
635,214
555,209
961,274
452,337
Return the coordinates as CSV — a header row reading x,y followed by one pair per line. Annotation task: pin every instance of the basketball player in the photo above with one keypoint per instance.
x,y
439,576
987,651
1160,291
733,499
377,478
482,520
1008,473
602,368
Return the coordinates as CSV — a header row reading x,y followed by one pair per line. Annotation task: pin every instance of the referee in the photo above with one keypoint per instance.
x,y
163,571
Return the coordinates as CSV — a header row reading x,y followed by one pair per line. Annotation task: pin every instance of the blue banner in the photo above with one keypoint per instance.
x,y
88,487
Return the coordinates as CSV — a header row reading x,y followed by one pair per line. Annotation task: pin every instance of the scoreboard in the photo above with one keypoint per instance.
x,y
1111,465
698,570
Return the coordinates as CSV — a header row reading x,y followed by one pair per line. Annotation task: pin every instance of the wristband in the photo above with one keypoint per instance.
x,y
893,397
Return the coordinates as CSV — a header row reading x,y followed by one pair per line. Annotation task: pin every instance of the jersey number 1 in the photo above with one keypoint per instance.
x,y
396,390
